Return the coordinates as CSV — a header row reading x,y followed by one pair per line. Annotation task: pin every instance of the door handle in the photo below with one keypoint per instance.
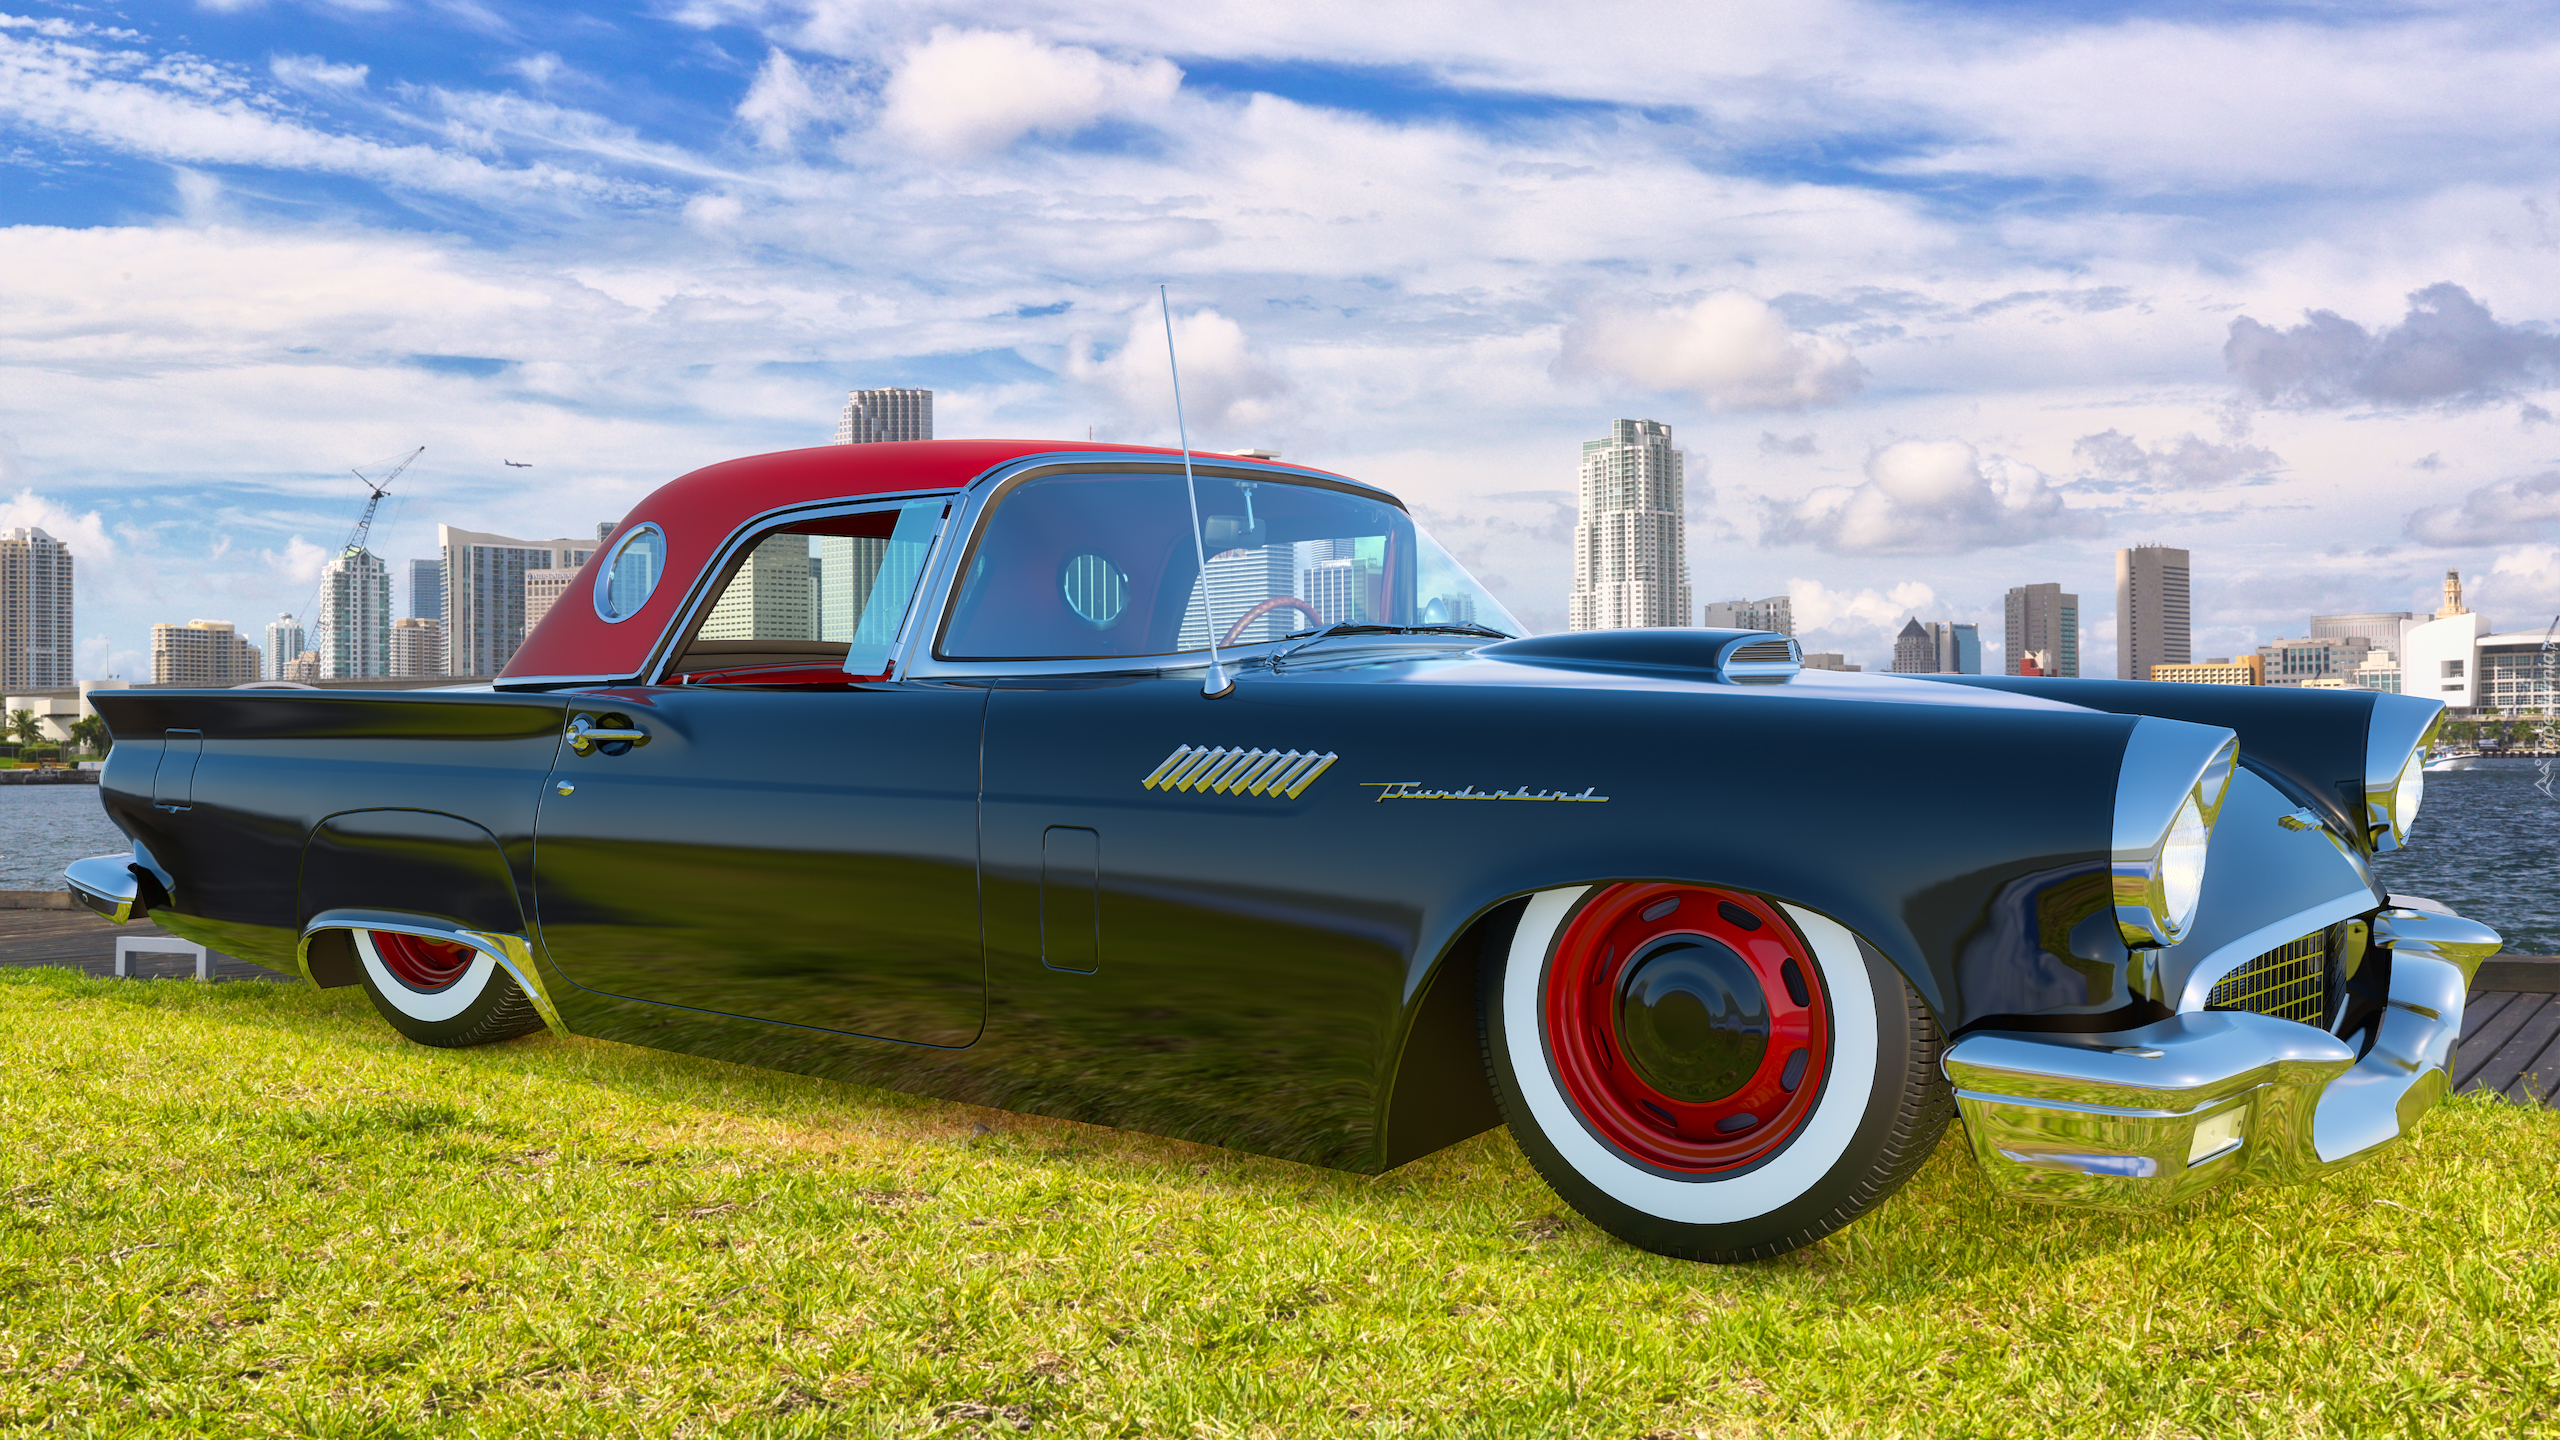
x,y
585,735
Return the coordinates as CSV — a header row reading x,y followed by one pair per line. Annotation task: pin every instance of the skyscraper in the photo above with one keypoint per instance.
x,y
2151,610
426,590
284,641
1957,646
36,647
352,628
417,648
1630,549
872,416
484,592
202,652
2040,618
1778,613
543,589
1915,650
768,599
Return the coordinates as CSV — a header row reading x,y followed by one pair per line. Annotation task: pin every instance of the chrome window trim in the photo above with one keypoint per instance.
x,y
924,659
599,580
698,596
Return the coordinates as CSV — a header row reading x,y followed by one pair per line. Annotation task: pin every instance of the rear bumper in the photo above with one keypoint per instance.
x,y
2155,1115
106,884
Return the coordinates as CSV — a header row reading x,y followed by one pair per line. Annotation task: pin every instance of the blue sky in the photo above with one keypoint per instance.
x,y
1938,299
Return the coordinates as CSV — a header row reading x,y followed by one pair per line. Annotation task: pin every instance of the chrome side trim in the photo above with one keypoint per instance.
x,y
514,952
106,884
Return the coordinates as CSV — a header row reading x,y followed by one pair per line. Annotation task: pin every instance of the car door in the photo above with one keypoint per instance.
x,y
774,838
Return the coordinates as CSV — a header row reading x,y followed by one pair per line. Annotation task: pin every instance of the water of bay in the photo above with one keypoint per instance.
x,y
2487,843
45,827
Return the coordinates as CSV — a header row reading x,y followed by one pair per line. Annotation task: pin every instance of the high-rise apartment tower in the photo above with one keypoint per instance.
x,y
1775,613
2151,610
352,629
1630,549
872,416
284,641
202,652
484,592
426,590
35,612
417,648
2041,619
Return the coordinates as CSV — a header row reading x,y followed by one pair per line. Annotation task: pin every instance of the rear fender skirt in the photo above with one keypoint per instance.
x,y
514,952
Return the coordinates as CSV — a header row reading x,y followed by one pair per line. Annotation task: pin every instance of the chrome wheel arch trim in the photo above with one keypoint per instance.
x,y
513,953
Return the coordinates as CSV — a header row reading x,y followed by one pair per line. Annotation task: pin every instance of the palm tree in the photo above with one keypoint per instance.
x,y
89,732
24,728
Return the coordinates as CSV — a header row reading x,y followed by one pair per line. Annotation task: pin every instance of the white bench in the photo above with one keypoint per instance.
x,y
126,945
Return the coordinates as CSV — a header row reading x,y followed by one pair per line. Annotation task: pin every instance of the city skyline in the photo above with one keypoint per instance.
x,y
1976,305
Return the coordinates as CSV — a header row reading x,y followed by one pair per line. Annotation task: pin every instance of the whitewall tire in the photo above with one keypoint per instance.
x,y
442,993
1706,1073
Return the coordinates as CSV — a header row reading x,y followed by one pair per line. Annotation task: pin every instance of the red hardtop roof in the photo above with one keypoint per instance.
x,y
700,510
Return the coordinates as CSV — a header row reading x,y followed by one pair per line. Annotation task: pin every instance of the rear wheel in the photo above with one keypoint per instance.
x,y
1705,1073
441,993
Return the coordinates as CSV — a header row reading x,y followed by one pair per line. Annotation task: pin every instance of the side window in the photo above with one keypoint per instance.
x,y
817,601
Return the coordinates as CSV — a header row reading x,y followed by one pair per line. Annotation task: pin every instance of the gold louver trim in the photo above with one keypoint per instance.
x,y
2290,982
1284,774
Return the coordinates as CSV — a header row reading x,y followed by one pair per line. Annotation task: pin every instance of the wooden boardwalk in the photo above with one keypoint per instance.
x,y
2510,1028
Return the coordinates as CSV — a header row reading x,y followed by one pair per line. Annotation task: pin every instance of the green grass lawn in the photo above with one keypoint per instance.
x,y
248,1209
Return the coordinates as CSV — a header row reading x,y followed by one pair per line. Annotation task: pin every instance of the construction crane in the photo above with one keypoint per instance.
x,y
363,529
364,522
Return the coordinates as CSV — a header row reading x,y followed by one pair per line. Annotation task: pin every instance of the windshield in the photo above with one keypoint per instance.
x,y
1074,567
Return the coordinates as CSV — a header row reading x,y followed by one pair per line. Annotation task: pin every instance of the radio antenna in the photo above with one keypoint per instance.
x,y
1217,683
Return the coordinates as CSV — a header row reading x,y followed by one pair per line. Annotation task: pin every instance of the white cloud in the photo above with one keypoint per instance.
x,y
312,72
1820,607
298,563
1730,349
83,532
2491,513
1230,392
779,102
967,92
2189,462
2524,583
1928,497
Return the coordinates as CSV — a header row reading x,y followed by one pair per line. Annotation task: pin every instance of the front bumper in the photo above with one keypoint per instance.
x,y
2155,1115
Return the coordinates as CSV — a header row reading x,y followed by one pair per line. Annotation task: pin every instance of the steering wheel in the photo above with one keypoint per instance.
x,y
1276,602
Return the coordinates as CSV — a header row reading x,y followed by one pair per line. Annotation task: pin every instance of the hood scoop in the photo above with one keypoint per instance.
x,y
1735,657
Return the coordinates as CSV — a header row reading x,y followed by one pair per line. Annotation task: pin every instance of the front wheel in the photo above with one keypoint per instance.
x,y
1705,1073
441,993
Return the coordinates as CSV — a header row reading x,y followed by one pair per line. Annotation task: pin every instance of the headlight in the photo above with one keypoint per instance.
x,y
2182,864
2395,766
2168,792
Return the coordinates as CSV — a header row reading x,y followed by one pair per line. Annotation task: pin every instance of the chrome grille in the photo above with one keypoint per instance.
x,y
2290,982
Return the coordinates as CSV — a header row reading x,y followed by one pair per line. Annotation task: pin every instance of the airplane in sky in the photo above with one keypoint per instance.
x,y
519,464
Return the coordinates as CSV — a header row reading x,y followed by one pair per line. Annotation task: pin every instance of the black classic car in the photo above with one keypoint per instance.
x,y
1209,797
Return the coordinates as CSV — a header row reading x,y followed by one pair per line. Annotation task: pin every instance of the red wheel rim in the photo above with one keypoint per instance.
x,y
420,963
1687,1025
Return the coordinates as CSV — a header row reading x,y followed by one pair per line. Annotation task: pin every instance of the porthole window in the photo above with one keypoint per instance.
x,y
1096,589
631,572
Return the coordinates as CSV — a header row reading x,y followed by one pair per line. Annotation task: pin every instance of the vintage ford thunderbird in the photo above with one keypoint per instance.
x,y
914,765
